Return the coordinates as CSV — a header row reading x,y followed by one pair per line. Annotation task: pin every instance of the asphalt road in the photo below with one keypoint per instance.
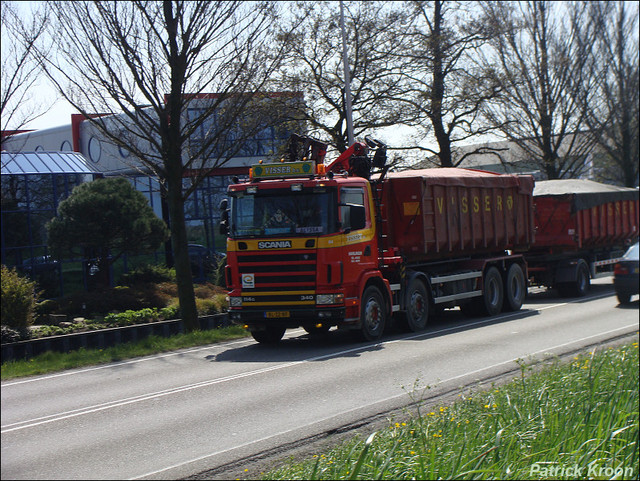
x,y
209,410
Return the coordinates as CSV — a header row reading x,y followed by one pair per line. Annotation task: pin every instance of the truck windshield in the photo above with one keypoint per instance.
x,y
277,213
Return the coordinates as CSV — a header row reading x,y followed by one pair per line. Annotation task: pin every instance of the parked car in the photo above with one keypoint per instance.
x,y
626,274
203,261
38,264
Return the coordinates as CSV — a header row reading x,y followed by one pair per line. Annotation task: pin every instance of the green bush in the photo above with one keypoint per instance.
x,y
19,299
44,308
104,301
213,305
45,331
130,317
170,312
148,274
9,335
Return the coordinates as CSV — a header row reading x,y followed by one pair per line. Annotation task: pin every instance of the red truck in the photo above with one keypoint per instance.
x,y
582,229
349,245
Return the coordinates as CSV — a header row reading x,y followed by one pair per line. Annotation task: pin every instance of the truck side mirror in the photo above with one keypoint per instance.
x,y
224,217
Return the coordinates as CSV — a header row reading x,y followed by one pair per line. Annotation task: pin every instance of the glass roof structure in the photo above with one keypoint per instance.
x,y
45,163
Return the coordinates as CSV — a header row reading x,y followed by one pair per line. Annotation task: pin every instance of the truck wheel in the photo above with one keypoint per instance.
x,y
583,280
623,298
372,314
271,335
417,305
492,293
580,286
515,288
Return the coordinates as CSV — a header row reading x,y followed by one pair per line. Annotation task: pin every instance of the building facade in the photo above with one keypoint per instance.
x,y
83,141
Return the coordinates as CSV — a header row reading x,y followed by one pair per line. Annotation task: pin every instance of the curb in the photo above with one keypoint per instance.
x,y
104,338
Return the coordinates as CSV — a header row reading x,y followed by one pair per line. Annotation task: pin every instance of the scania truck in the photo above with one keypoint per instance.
x,y
354,246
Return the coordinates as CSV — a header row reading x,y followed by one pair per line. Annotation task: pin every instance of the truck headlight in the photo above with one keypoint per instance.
x,y
235,301
324,299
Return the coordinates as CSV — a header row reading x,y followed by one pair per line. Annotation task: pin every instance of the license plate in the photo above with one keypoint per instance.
x,y
277,314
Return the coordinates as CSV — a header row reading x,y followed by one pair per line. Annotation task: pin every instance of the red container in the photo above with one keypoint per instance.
x,y
577,214
444,213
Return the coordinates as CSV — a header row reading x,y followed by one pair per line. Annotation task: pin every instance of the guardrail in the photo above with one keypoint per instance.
x,y
103,338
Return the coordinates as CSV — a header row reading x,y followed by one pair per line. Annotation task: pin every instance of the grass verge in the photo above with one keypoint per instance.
x,y
576,420
55,361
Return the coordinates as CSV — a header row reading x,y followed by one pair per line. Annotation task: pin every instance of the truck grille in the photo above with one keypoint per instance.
x,y
280,271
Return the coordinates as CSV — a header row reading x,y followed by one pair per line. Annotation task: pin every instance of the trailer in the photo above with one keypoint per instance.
x,y
582,229
348,246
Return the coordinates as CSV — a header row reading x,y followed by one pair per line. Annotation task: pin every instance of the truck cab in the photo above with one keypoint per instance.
x,y
301,247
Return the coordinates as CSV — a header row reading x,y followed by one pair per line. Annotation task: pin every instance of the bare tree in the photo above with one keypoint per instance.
x,y
180,80
613,108
448,87
19,69
542,54
314,66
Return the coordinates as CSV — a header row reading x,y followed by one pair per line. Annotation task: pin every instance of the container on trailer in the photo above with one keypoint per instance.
x,y
575,214
443,213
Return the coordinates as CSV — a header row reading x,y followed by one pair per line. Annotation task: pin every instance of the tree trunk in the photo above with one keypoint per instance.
x,y
179,241
437,119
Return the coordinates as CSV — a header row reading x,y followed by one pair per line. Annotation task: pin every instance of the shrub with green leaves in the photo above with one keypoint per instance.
x,y
131,317
19,299
9,335
43,309
213,305
148,274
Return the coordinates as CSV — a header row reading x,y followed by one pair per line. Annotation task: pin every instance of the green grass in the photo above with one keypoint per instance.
x,y
55,361
576,420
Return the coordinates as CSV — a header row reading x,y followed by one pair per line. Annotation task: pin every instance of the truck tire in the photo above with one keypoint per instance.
x,y
515,288
623,297
580,286
417,305
492,292
372,314
271,335
583,280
